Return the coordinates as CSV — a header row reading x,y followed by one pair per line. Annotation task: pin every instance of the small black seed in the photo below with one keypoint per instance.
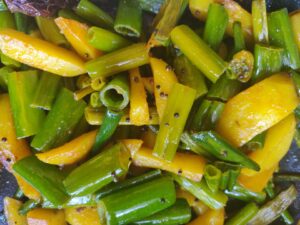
x,y
179,171
130,159
162,200
224,153
196,200
136,79
162,94
176,115
155,31
8,159
80,209
4,139
127,119
167,124
169,68
113,174
150,117
158,86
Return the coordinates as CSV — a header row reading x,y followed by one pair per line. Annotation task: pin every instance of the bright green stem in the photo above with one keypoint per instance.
x,y
50,31
281,35
7,20
201,191
21,86
60,122
179,213
69,14
115,95
81,201
131,182
200,54
93,14
189,75
22,22
107,129
118,61
243,194
215,26
106,167
260,21
179,104
129,19
106,40
244,215
4,73
267,61
137,202
238,37
296,78
7,61
168,17
46,91
151,6
222,150
95,101
255,143
45,178
28,205
212,177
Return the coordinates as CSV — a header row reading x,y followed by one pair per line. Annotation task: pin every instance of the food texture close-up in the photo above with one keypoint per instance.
x,y
149,112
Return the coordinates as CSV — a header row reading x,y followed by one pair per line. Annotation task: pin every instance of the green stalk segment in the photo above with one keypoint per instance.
x,y
22,22
215,26
255,143
244,215
108,166
75,201
179,104
151,6
21,87
200,54
243,194
129,19
28,205
118,61
45,178
46,91
238,37
60,122
69,14
212,177
137,202
260,21
296,78
4,73
7,20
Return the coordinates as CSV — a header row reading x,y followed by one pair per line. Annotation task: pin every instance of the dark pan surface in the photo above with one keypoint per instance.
x,y
291,162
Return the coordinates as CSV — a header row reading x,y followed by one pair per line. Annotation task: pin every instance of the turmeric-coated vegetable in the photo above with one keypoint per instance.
x,y
277,143
82,216
27,188
11,212
257,108
46,217
295,21
210,217
164,79
139,109
77,34
184,164
70,152
40,54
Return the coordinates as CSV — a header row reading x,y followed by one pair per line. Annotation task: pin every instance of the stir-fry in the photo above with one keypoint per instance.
x,y
148,112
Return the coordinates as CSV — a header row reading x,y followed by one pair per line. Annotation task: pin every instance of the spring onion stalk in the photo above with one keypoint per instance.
x,y
287,177
28,205
192,145
22,22
83,81
189,75
255,143
107,129
260,22
7,20
95,116
215,26
131,182
21,86
115,95
219,148
69,14
69,83
281,35
243,194
50,31
201,191
118,61
92,13
273,209
95,101
238,37
45,178
3,6
81,128
229,179
7,61
151,6
60,122
167,19
179,213
137,202
173,121
212,177
76,201
200,54
128,21
200,115
80,94
244,215
46,91
108,166
4,73
98,83
296,78
19,194
267,61
285,215
106,40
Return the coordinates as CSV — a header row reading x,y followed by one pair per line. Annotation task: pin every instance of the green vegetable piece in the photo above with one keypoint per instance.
x,y
4,73
104,168
28,205
22,22
151,6
173,121
260,21
296,78
45,178
212,177
137,202
69,14
200,54
244,215
7,20
21,86
238,37
243,194
75,201
255,143
7,61
60,122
